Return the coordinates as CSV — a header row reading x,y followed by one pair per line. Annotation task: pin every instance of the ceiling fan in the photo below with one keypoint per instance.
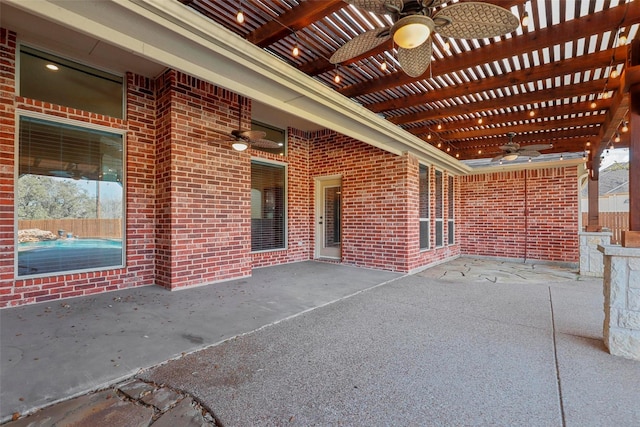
x,y
513,150
243,139
71,171
415,20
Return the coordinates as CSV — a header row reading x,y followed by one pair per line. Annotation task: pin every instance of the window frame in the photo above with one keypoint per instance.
x,y
426,219
73,64
451,214
19,113
285,198
439,220
285,132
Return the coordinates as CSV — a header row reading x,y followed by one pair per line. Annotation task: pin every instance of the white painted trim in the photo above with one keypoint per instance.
x,y
317,211
525,166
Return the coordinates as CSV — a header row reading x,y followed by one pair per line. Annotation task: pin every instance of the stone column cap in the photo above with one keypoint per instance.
x,y
619,250
595,233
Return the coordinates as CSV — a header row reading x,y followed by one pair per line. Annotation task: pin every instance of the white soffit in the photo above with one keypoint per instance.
x,y
173,35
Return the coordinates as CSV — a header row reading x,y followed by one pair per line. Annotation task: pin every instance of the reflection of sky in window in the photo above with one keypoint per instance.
x,y
108,190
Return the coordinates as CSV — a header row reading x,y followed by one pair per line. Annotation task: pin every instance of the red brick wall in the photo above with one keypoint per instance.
x,y
140,187
434,254
7,142
521,214
188,196
380,203
141,184
375,218
203,185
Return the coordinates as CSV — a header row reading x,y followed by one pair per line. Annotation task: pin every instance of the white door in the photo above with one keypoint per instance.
x,y
329,218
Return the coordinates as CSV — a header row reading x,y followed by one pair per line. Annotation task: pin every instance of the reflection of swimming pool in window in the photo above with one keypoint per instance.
x,y
35,258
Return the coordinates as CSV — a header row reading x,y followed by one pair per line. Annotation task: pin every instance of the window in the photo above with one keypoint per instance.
x,y
69,198
267,206
424,207
450,225
273,134
439,210
59,81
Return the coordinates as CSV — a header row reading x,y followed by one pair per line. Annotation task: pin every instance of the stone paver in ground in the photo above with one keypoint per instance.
x,y
162,399
136,389
139,404
102,408
185,414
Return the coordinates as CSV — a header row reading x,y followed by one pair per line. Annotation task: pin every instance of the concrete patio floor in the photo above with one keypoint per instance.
x,y
469,342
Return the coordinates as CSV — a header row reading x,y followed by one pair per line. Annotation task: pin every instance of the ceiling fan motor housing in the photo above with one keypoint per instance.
x,y
412,31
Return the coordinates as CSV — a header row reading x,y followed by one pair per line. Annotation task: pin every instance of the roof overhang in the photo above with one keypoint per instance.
x,y
175,36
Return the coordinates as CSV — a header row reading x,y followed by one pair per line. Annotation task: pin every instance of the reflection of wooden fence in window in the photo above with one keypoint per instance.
x,y
83,228
616,222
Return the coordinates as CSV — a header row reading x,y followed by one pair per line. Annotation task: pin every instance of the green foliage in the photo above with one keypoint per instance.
x,y
45,197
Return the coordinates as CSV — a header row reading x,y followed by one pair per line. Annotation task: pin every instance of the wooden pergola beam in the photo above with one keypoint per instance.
x,y
625,14
559,68
298,17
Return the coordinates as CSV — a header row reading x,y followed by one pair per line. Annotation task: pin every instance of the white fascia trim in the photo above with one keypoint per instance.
x,y
526,166
172,34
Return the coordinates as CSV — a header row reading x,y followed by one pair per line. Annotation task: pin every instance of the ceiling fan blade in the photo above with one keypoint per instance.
x,y
536,147
473,20
529,153
249,134
360,44
415,61
224,134
264,143
61,173
378,6
512,146
496,158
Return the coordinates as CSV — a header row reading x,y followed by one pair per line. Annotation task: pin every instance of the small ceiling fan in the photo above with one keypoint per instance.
x,y
243,139
513,150
415,20
71,171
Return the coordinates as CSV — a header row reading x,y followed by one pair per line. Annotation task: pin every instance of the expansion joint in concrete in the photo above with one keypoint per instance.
x,y
555,357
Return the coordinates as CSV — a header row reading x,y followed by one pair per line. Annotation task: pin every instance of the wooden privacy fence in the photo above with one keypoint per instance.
x,y
616,222
84,228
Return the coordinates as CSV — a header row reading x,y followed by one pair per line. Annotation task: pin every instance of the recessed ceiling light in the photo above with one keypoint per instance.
x,y
52,67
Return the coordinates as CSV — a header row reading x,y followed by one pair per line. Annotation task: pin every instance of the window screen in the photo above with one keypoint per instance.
x,y
69,198
267,206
